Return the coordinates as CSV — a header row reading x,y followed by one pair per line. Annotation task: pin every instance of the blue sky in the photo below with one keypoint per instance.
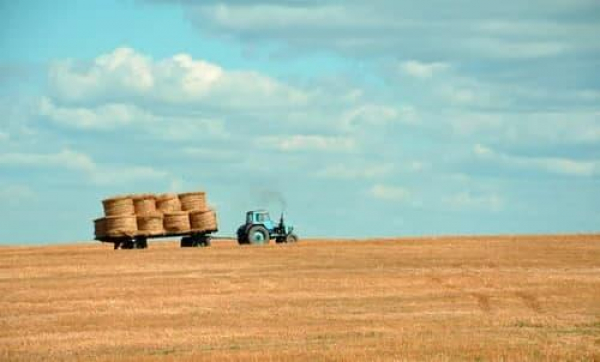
x,y
368,119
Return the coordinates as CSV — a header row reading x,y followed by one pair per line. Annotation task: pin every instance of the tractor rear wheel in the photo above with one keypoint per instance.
x,y
258,234
292,238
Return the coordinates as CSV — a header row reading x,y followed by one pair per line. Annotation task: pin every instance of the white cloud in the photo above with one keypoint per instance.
x,y
63,159
468,200
111,116
534,128
422,70
509,30
520,49
342,171
126,74
389,193
555,165
14,195
80,162
308,143
123,70
212,154
369,115
105,117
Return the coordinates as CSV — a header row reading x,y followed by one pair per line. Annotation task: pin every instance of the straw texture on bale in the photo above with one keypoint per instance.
x,y
193,201
125,225
144,204
100,227
150,224
168,203
203,220
118,206
176,222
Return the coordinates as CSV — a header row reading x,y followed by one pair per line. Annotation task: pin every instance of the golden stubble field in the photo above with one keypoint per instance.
x,y
485,298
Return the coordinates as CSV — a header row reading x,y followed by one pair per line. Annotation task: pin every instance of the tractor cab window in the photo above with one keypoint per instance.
x,y
262,217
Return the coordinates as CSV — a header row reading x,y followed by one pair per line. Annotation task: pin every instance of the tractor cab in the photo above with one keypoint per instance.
x,y
260,217
259,229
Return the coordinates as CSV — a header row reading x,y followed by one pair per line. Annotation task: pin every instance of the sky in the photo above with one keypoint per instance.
x,y
358,119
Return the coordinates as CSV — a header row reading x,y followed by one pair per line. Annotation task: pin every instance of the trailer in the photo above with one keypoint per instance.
x,y
189,239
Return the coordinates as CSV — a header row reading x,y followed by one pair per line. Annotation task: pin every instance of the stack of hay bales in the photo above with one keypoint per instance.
x,y
154,215
149,219
167,203
203,221
119,220
177,222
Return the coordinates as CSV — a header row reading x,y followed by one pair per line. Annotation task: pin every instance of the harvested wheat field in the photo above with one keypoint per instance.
x,y
487,298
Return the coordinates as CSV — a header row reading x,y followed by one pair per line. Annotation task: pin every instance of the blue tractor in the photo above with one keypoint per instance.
x,y
259,229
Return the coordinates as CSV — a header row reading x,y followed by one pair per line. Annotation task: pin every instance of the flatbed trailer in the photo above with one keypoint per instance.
x,y
192,238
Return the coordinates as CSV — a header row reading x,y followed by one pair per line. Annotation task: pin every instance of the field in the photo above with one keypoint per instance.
x,y
474,299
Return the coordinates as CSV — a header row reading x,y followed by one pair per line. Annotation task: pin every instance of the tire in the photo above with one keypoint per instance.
x,y
127,244
201,241
258,235
292,238
140,243
186,242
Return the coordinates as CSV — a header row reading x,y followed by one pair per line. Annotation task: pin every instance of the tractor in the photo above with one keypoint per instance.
x,y
259,229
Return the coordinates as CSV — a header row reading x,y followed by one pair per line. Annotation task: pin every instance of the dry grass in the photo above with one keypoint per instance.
x,y
487,298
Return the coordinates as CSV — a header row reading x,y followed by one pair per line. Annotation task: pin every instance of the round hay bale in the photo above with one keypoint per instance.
x,y
193,201
100,227
168,203
125,225
203,221
176,222
150,224
144,204
118,206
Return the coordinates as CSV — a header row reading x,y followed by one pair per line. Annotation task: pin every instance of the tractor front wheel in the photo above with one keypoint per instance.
x,y
258,235
292,238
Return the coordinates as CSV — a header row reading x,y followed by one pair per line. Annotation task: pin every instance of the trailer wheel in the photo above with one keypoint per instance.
x,y
258,234
187,242
141,242
127,244
292,238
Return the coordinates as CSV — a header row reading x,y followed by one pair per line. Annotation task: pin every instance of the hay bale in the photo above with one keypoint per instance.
x,y
203,221
118,206
193,201
168,203
144,204
124,225
150,224
176,222
100,227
